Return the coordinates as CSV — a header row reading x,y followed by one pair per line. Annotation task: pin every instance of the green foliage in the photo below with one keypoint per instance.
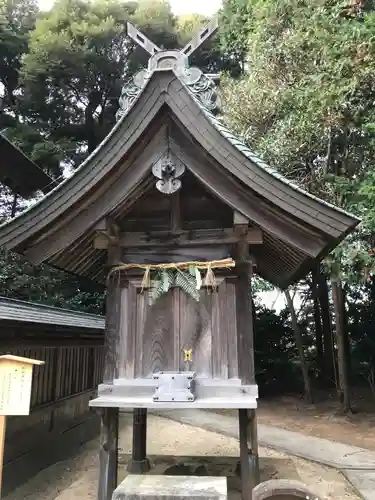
x,y
46,285
305,103
276,359
17,19
235,21
189,281
78,54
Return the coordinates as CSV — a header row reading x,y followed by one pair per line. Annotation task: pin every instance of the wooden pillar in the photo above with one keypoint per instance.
x,y
112,319
139,462
245,333
249,461
108,453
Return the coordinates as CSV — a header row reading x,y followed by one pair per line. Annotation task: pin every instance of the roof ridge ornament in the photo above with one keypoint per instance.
x,y
202,86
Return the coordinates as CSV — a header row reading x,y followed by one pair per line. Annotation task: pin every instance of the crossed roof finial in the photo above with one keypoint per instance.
x,y
201,85
204,34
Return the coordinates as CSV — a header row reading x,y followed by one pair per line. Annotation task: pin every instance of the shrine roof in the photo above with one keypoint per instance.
x,y
14,310
298,228
18,172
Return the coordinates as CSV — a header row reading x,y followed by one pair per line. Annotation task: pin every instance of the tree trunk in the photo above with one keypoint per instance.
x,y
347,343
318,326
298,339
339,308
329,350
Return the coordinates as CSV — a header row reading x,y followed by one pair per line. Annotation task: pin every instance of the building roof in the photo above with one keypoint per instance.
x,y
29,312
18,172
298,228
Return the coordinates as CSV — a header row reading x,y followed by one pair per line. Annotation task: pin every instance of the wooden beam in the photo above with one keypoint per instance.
x,y
202,36
183,238
101,241
239,218
142,40
107,233
176,211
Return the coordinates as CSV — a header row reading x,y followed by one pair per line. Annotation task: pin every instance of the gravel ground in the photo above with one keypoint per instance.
x,y
77,477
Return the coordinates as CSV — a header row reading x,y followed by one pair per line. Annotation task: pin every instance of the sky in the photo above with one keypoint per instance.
x,y
179,7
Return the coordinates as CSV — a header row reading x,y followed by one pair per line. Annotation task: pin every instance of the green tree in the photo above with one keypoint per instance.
x,y
305,105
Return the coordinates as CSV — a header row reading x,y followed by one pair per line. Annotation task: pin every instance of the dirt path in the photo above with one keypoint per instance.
x,y
322,419
77,478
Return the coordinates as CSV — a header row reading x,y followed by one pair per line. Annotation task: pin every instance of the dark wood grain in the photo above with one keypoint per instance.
x,y
112,318
139,462
108,453
158,340
142,306
191,331
222,335
249,461
244,316
231,323
60,419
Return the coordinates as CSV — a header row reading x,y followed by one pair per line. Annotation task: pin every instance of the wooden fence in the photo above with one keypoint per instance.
x,y
60,420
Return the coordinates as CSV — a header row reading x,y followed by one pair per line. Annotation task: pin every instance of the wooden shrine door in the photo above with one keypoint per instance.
x,y
153,337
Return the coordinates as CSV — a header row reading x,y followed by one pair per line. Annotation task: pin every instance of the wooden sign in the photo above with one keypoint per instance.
x,y
16,374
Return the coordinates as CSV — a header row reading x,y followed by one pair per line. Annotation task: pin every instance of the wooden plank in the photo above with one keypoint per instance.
x,y
124,331
59,374
70,370
223,330
40,378
131,320
176,309
277,223
244,316
216,335
142,309
239,218
112,319
183,238
176,211
108,453
193,326
158,336
232,331
46,373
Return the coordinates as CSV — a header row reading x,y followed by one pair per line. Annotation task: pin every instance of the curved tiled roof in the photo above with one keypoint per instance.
x,y
29,312
297,226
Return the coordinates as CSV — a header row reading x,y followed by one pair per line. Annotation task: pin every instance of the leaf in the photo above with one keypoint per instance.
x,y
157,290
188,284
198,278
166,280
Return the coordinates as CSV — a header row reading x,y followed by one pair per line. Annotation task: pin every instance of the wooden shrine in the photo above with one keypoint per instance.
x,y
172,193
